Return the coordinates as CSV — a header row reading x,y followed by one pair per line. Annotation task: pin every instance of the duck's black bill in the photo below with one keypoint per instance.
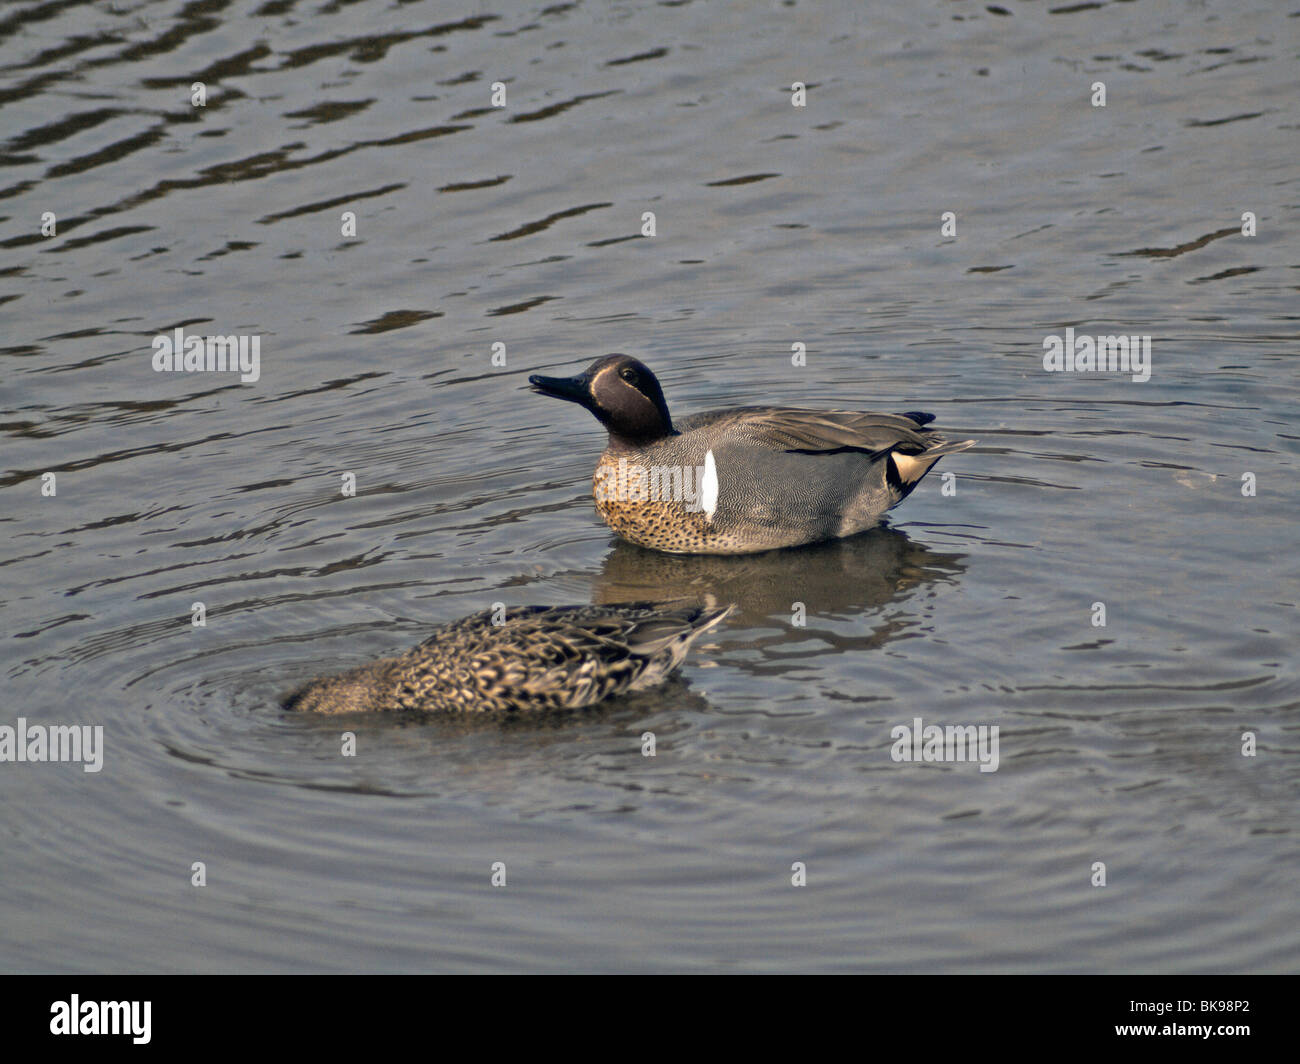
x,y
574,389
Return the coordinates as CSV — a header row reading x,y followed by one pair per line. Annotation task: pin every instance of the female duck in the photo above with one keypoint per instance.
x,y
536,657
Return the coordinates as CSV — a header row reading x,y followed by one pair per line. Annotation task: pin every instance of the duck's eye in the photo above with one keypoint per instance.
x,y
628,374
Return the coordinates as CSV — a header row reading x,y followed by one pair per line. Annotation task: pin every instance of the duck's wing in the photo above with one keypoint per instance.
x,y
902,442
823,431
576,656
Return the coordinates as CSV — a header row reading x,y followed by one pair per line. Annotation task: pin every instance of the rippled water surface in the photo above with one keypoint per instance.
x,y
522,225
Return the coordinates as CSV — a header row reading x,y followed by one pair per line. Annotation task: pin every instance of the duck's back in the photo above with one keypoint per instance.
x,y
521,658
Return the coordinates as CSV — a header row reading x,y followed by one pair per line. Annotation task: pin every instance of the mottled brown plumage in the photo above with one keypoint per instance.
x,y
539,657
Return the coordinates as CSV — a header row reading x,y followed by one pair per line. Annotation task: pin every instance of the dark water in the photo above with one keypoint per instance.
x,y
522,226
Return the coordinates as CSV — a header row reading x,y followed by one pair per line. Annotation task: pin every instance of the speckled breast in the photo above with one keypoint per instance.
x,y
656,507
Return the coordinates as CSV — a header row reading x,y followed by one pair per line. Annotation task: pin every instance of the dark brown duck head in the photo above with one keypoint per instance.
x,y
621,392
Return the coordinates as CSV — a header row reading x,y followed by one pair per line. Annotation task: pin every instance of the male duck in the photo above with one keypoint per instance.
x,y
537,657
747,478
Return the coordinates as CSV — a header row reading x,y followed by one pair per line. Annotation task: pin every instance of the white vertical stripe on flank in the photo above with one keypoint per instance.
x,y
709,487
